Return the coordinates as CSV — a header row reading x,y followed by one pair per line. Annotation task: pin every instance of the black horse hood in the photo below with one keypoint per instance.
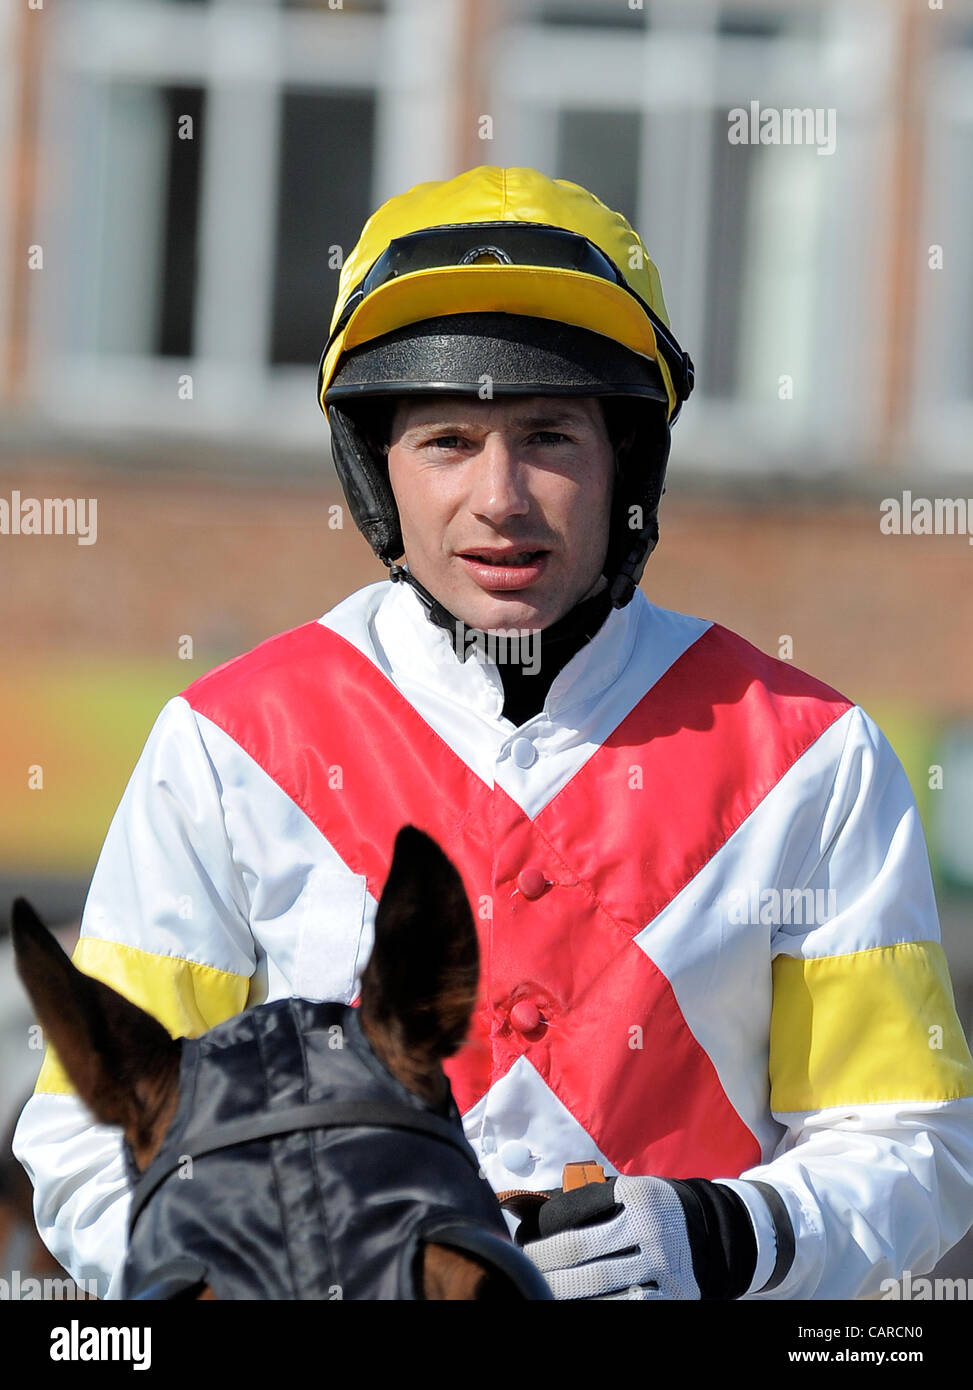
x,y
298,1167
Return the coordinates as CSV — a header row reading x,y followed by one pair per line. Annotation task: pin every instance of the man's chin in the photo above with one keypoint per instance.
x,y
516,610
524,610
530,609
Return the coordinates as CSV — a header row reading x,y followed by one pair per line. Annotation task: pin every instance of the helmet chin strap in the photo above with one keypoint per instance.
x,y
435,611
595,607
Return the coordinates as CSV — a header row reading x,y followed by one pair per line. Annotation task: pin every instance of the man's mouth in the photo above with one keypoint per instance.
x,y
511,569
503,557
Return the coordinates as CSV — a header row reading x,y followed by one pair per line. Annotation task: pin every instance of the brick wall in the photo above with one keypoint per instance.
x,y
231,561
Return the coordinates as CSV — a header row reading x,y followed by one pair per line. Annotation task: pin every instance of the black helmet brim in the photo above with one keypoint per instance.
x,y
489,354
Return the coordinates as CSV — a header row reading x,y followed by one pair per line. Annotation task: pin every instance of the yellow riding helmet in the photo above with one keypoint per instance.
x,y
504,282
493,240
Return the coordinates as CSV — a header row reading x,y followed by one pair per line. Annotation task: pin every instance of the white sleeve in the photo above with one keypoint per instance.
x,y
870,1070
166,923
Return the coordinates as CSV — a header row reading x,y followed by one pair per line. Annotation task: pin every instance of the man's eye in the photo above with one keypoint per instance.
x,y
451,442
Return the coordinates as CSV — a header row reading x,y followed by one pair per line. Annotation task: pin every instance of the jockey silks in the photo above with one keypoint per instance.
x,y
631,1012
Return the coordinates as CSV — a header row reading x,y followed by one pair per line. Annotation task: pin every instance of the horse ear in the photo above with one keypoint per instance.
x,y
120,1060
419,987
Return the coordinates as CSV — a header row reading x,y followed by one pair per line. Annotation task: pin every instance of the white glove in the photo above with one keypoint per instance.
x,y
644,1237
641,1252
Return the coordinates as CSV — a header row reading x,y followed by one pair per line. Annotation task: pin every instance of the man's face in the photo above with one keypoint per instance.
x,y
483,485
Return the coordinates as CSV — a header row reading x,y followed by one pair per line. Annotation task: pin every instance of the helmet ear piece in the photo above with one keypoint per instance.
x,y
642,453
362,468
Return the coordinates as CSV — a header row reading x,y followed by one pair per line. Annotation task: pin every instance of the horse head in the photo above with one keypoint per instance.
x,y
299,1149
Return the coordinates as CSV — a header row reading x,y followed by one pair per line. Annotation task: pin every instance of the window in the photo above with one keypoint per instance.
x,y
323,198
184,123
599,150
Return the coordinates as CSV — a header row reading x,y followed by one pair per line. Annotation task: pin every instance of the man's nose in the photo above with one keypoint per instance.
x,y
499,486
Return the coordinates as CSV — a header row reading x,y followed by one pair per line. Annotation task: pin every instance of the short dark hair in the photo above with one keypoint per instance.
x,y
621,415
373,418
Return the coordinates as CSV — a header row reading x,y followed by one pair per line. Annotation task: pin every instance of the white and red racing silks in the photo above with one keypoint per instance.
x,y
707,926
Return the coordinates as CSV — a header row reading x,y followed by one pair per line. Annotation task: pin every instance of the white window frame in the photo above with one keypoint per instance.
x,y
243,53
681,64
941,418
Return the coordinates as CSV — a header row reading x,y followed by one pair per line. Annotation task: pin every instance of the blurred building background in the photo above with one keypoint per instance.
x,y
179,182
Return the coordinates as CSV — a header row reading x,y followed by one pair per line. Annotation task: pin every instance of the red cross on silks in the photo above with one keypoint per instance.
x,y
712,737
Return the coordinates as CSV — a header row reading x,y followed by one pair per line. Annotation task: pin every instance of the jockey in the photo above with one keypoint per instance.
x,y
709,943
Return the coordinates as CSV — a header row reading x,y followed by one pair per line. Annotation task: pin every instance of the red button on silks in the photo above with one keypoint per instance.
x,y
525,1016
531,883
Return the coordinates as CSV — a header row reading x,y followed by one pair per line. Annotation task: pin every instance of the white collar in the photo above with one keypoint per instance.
x,y
420,653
